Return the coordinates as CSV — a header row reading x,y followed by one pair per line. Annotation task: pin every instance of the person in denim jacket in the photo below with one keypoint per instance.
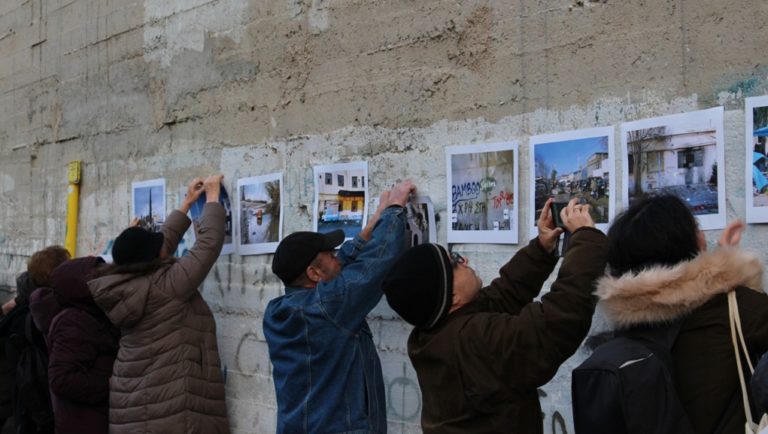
x,y
326,371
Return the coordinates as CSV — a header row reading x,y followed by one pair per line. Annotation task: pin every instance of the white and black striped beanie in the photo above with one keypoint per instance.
x,y
420,285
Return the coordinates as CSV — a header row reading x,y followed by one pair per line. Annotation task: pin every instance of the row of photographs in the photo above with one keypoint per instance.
x,y
678,154
341,202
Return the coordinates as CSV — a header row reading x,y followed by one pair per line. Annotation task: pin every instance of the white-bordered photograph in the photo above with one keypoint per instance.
x,y
482,185
574,164
148,203
341,197
682,155
196,211
420,217
259,222
756,133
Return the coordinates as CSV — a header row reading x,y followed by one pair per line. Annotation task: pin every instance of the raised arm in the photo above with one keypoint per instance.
x,y
189,272
177,221
357,289
526,349
520,280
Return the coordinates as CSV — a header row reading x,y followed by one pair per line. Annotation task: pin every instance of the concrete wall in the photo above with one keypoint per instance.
x,y
144,89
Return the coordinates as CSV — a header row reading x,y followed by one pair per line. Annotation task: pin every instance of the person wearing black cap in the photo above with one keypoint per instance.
x,y
480,353
326,372
167,377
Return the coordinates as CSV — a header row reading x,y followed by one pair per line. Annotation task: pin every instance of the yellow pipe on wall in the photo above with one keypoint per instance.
x,y
73,199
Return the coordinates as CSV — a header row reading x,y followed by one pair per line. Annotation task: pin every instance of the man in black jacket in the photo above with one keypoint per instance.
x,y
480,354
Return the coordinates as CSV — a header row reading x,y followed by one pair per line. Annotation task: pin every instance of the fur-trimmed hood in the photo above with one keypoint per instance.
x,y
662,294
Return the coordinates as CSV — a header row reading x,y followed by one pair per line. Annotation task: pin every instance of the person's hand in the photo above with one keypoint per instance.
x,y
576,216
548,232
732,234
7,307
212,186
194,190
134,222
400,193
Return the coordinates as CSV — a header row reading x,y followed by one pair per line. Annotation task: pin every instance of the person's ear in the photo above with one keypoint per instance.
x,y
456,298
312,274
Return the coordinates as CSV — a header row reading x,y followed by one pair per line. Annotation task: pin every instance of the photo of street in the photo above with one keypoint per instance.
x,y
573,168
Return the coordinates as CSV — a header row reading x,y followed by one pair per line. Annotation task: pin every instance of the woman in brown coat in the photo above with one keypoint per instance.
x,y
167,377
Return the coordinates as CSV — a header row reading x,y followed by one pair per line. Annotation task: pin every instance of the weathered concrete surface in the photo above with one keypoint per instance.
x,y
150,88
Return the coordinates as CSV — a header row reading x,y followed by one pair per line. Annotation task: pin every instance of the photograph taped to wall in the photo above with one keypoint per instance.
x,y
196,210
148,203
259,214
682,155
574,164
482,185
341,192
420,217
756,174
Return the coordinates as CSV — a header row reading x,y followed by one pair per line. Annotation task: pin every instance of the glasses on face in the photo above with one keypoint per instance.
x,y
457,259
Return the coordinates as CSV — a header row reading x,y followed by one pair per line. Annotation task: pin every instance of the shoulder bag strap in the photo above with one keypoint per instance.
x,y
735,324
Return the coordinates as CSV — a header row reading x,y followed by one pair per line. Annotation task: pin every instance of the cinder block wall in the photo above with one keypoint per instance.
x,y
140,89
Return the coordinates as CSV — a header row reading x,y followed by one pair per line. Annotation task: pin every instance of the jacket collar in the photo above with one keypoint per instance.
x,y
663,294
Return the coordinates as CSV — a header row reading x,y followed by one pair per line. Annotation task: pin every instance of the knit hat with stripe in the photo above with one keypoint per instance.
x,y
420,285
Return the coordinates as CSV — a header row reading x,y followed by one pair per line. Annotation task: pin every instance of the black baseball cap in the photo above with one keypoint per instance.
x,y
297,250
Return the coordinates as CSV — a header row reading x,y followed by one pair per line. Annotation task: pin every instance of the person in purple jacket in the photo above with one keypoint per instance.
x,y
82,346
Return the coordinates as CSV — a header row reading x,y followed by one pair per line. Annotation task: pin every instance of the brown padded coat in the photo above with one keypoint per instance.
x,y
480,366
167,377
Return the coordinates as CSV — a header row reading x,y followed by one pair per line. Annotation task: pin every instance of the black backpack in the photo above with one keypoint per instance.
x,y
31,377
627,386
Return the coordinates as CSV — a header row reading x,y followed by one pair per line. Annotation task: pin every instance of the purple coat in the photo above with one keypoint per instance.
x,y
82,346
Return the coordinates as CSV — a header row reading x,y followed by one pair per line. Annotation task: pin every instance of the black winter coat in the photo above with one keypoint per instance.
x,y
479,367
695,292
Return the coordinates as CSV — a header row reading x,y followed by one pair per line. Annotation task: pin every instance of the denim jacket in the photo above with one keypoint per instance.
x,y
326,371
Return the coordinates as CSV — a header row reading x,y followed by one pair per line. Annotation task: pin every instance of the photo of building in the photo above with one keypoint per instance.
x,y
341,197
681,155
674,160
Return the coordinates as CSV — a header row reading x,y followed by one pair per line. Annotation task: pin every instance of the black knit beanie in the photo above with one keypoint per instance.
x,y
420,285
136,245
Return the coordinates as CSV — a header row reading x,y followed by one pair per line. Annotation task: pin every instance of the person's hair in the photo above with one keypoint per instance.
x,y
136,268
42,263
659,230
